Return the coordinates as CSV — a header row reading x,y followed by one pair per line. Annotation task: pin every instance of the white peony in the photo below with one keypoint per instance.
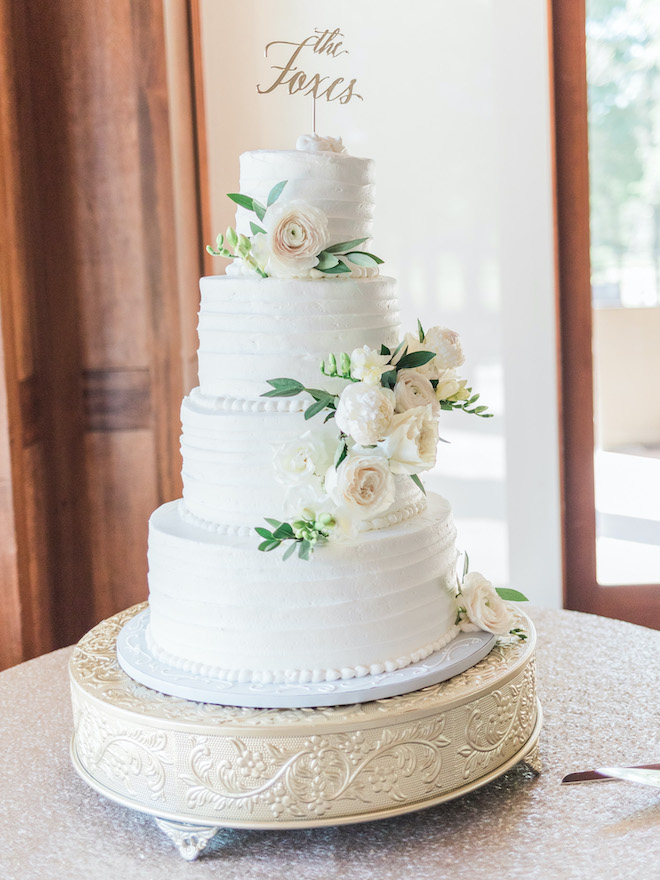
x,y
483,606
412,441
296,233
314,143
413,389
297,460
364,412
368,366
446,344
362,485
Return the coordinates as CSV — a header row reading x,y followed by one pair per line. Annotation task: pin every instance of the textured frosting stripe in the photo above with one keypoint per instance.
x,y
340,185
254,329
226,495
383,599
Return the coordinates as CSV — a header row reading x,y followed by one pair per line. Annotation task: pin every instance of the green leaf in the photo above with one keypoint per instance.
x,y
256,229
284,388
275,523
339,269
304,550
420,330
318,393
276,192
258,209
329,416
416,480
385,350
360,258
388,379
341,453
415,359
316,407
466,565
480,409
290,550
283,531
266,546
510,595
243,201
345,246
398,349
264,533
326,261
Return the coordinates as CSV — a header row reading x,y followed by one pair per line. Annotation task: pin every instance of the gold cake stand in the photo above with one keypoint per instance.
x,y
198,767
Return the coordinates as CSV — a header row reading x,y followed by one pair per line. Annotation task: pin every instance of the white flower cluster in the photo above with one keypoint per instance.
x,y
384,432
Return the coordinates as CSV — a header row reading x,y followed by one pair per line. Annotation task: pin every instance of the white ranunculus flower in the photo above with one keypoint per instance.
x,y
364,412
483,606
368,366
413,389
412,441
298,459
362,486
296,233
446,344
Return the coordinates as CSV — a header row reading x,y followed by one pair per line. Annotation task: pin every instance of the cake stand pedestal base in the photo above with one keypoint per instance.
x,y
198,767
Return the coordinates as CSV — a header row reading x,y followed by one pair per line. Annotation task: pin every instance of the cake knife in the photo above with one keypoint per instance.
x,y
646,773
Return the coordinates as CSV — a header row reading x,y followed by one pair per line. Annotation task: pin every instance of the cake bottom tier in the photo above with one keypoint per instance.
x,y
221,608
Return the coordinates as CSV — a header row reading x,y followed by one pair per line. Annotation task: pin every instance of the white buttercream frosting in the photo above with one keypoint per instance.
x,y
255,329
374,604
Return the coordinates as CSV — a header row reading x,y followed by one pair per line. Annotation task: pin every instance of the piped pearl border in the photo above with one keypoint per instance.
x,y
213,403
297,676
383,522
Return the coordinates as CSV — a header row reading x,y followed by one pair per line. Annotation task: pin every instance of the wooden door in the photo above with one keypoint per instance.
x,y
98,302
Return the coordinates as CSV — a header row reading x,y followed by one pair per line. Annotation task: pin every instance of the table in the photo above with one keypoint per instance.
x,y
599,682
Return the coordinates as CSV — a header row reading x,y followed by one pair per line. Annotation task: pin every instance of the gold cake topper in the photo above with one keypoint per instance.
x,y
290,75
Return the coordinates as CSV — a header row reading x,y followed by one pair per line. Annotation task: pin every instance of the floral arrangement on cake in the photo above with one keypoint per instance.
x,y
290,241
382,423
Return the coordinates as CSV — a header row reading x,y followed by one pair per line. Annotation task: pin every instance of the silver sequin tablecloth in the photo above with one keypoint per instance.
x,y
598,682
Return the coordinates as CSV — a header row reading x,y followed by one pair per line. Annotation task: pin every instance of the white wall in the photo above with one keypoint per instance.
x,y
456,114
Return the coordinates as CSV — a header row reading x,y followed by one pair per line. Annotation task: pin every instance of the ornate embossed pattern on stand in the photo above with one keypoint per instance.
x,y
216,765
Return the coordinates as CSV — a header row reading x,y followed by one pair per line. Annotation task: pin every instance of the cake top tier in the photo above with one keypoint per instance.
x,y
308,200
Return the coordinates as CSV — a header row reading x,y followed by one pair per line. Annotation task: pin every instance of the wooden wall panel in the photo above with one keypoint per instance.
x,y
100,288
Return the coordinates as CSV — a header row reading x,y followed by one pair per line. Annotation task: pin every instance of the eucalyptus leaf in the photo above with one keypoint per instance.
x,y
339,269
243,201
258,209
316,407
361,259
326,261
510,595
304,549
276,192
318,393
416,480
264,533
275,523
415,359
341,453
290,550
284,388
269,545
283,531
345,246
256,229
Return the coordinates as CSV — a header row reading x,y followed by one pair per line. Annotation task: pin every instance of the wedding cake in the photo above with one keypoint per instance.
x,y
305,439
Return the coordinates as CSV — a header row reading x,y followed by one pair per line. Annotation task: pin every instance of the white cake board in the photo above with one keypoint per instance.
x,y
136,660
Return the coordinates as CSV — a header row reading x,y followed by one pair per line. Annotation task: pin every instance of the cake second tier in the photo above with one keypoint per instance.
x,y
255,329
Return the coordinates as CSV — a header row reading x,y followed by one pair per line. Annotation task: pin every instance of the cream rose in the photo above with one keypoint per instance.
x,y
296,233
362,485
296,460
364,412
412,441
483,606
368,366
413,389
